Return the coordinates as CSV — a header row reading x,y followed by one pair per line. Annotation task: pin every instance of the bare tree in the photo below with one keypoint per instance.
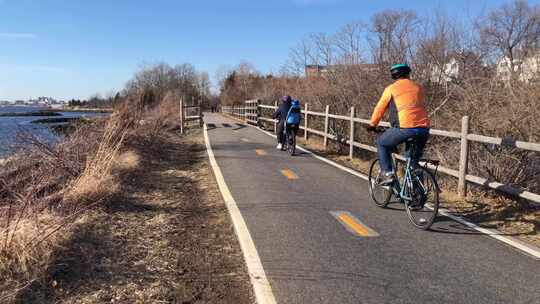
x,y
437,46
300,56
349,42
240,84
153,82
393,32
324,48
512,32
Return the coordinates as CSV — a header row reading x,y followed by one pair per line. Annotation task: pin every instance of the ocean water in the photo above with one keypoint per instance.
x,y
10,127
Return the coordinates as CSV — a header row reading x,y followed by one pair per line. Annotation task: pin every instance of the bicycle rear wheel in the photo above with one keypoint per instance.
x,y
291,143
423,209
379,194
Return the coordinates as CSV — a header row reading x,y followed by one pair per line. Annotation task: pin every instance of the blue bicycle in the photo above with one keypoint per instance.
x,y
416,188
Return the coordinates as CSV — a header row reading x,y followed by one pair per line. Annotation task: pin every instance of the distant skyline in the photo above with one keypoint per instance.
x,y
74,49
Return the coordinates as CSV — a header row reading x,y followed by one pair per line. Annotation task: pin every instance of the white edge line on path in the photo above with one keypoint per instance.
x,y
261,286
531,250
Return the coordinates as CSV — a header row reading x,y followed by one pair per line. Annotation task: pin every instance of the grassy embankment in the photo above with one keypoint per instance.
x,y
118,212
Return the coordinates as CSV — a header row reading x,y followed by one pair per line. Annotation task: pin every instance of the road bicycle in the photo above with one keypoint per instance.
x,y
416,187
289,142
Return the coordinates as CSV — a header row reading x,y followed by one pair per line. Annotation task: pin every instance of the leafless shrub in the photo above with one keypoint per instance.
x,y
457,64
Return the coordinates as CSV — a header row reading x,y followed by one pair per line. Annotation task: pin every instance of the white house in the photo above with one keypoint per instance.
x,y
527,69
445,73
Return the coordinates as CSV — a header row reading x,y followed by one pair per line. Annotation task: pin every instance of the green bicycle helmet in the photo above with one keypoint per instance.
x,y
400,70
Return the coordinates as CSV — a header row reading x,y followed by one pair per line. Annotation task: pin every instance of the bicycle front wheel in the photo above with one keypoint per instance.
x,y
379,194
423,208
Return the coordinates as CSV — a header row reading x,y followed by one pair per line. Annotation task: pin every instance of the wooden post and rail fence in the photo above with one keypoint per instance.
x,y
251,112
189,113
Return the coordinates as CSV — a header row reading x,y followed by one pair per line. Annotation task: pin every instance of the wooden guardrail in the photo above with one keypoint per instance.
x,y
187,114
251,112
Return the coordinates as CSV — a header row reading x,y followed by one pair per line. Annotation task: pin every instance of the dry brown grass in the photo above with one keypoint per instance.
x,y
97,182
46,188
166,237
22,259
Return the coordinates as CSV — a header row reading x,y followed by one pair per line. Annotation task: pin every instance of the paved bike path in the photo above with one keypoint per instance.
x,y
310,257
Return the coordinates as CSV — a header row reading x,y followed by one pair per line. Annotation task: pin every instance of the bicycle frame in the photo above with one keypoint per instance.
x,y
412,187
400,188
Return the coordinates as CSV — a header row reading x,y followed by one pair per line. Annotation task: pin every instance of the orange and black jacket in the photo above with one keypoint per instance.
x,y
405,100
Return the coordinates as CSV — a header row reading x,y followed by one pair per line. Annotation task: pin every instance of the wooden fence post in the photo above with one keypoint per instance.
x,y
181,115
306,115
200,114
258,111
275,122
326,120
463,157
351,136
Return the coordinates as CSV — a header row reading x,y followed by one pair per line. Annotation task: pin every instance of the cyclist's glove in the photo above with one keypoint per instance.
x,y
371,128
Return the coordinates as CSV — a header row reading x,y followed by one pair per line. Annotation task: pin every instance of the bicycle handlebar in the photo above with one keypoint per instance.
x,y
375,129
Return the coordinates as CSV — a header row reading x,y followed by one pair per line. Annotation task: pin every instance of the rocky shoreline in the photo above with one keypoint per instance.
x,y
56,120
29,114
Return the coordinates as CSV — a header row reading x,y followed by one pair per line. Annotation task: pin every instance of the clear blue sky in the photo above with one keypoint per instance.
x,y
74,48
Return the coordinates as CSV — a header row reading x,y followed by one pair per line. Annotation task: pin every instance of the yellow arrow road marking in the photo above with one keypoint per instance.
x,y
261,152
289,174
354,225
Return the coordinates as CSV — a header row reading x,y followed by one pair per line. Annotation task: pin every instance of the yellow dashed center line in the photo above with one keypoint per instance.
x,y
289,174
261,152
353,225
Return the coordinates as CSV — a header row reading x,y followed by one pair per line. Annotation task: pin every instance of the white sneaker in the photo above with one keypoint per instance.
x,y
279,146
388,179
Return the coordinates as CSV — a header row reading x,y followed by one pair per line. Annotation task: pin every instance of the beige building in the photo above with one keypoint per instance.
x,y
315,70
322,70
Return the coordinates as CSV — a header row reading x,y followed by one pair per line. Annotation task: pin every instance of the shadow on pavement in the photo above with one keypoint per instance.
x,y
446,225
239,127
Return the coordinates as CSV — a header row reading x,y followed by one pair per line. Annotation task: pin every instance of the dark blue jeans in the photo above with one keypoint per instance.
x,y
390,139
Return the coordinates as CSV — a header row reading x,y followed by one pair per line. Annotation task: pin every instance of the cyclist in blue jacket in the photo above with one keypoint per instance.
x,y
294,117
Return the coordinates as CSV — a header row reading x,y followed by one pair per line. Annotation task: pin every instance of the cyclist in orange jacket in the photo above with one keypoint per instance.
x,y
405,101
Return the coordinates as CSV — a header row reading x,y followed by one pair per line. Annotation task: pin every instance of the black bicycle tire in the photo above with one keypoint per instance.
x,y
436,202
292,145
370,186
